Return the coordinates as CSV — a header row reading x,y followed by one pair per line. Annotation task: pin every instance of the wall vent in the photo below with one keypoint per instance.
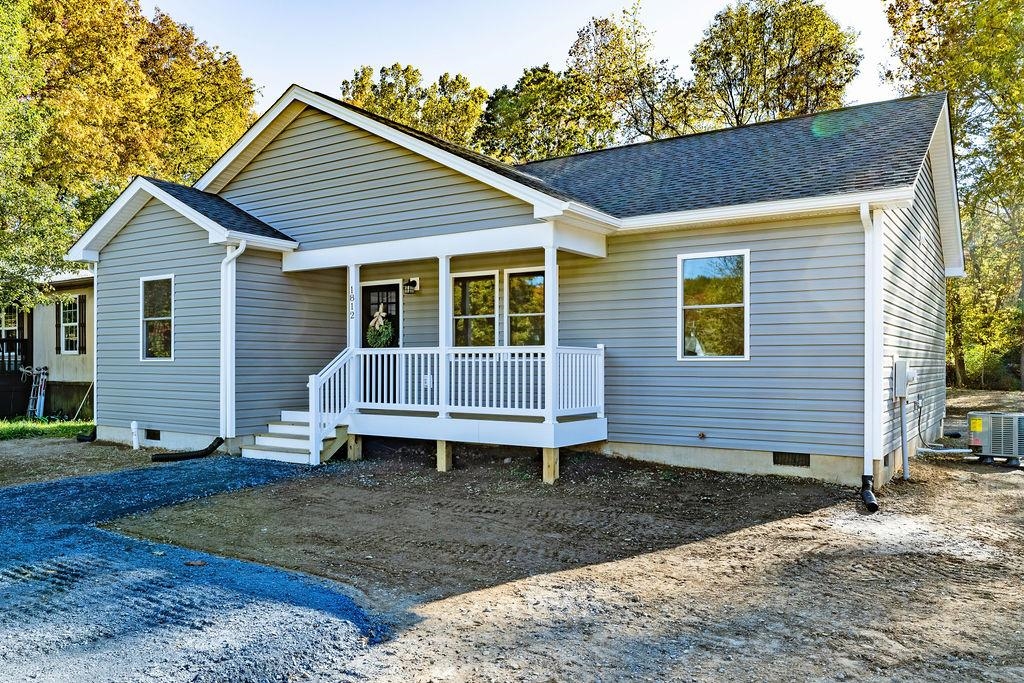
x,y
791,459
152,435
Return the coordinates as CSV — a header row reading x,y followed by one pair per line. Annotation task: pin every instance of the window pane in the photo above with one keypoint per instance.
x,y
474,295
474,332
526,330
158,338
156,299
713,332
10,318
717,280
70,337
526,293
69,313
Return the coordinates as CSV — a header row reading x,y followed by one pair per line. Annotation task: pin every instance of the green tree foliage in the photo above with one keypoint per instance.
x,y
90,95
767,59
647,98
449,108
546,113
974,50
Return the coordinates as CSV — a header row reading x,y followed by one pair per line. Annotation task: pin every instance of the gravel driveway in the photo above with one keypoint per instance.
x,y
80,603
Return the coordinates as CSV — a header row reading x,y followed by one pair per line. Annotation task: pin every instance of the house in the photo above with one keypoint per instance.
x,y
731,300
58,336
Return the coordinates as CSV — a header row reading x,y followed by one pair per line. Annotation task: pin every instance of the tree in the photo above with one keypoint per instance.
x,y
974,50
449,108
90,95
545,114
767,59
648,100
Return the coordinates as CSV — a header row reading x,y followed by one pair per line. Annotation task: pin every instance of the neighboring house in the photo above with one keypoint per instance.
x,y
58,336
731,300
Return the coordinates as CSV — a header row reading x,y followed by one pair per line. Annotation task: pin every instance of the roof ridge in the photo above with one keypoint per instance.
x,y
745,126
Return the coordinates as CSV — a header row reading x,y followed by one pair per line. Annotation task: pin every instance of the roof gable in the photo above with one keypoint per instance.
x,y
223,221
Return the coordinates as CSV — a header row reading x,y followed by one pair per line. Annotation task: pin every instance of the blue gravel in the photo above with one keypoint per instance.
x,y
80,603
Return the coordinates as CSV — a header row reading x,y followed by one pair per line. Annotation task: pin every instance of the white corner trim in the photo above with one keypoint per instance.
x,y
745,253
873,340
228,290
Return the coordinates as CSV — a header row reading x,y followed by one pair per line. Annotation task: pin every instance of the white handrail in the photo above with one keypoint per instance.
x,y
329,400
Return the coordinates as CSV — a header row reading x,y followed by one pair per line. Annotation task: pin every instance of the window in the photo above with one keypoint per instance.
x,y
473,309
9,323
157,318
524,297
69,326
713,297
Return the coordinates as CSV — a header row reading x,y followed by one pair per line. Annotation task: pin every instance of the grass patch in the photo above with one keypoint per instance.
x,y
27,429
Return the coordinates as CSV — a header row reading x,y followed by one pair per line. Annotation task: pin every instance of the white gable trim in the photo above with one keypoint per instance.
x,y
544,205
947,201
131,201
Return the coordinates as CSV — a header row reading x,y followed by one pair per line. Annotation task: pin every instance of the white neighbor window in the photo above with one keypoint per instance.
x,y
524,307
69,326
156,305
713,309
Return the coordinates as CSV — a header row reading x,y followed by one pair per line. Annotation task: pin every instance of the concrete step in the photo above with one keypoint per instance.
x,y
297,441
295,455
289,428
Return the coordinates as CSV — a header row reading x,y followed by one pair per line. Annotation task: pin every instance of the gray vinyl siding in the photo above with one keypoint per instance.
x,y
182,395
326,183
420,310
914,311
287,327
802,389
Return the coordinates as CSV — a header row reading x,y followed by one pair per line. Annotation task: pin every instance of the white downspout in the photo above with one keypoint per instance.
x,y
228,270
871,222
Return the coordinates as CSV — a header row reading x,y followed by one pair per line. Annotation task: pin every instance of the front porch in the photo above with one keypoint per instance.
x,y
490,370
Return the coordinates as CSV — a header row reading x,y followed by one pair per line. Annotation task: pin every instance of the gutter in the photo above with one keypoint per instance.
x,y
872,222
228,270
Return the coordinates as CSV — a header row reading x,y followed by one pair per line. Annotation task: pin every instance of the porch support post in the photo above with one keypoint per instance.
x,y
444,456
444,332
550,465
354,339
551,332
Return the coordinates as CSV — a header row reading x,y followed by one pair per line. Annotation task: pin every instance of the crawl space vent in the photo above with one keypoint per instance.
x,y
791,459
152,435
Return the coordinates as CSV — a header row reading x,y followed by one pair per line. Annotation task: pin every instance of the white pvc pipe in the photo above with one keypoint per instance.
x,y
135,435
903,439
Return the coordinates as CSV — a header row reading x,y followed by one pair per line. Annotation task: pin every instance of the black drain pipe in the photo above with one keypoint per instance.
x,y
188,455
88,437
866,494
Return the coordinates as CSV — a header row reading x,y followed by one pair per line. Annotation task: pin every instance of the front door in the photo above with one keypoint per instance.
x,y
376,296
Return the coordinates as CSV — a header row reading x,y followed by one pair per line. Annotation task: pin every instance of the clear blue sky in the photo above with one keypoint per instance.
x,y
317,43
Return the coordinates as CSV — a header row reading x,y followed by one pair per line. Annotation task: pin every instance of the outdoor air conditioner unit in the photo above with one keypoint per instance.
x,y
998,435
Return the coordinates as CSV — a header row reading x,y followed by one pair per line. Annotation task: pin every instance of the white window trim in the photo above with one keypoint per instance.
x,y
3,316
497,308
63,328
401,306
745,253
142,319
507,317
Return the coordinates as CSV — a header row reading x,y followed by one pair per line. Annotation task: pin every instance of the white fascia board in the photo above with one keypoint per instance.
x,y
947,200
127,204
902,196
260,242
476,242
545,206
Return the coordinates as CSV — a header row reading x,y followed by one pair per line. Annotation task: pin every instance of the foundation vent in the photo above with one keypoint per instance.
x,y
791,459
152,435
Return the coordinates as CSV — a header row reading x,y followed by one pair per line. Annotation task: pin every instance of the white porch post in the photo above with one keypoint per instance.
x,y
353,333
444,330
551,331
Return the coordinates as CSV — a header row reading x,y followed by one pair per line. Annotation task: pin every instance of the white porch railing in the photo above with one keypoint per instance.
x,y
506,380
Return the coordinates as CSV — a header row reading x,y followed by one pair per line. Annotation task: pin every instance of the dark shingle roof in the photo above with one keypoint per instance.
x,y
219,210
863,148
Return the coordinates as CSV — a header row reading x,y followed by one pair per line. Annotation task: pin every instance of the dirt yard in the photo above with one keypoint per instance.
x,y
625,571
23,461
962,401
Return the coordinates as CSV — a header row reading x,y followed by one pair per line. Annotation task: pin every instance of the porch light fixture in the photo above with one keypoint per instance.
x,y
411,286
